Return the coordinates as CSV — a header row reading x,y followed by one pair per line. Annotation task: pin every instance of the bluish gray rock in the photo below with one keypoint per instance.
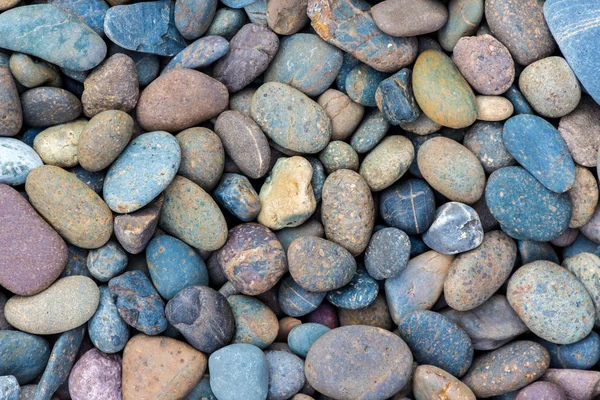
x,y
531,251
23,355
583,354
227,22
296,301
302,337
9,388
395,98
193,17
456,229
286,374
107,261
370,132
90,12
362,83
408,206
236,194
108,332
484,139
16,160
199,54
147,65
360,293
387,254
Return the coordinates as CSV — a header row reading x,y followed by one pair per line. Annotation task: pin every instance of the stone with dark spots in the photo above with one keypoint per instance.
x,y
9,388
339,155
135,230
255,323
203,317
586,268
286,374
193,17
11,113
199,54
48,106
484,139
96,375
456,229
23,355
107,330
359,293
387,254
138,302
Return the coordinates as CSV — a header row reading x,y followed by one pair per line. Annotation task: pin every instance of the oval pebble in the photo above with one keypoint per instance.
x,y
11,110
57,145
493,108
255,323
107,261
409,18
408,205
296,301
16,161
202,157
484,139
236,194
359,293
581,133
387,162
387,254
586,268
430,382
539,390
23,355
345,115
48,106
464,16
583,354
108,332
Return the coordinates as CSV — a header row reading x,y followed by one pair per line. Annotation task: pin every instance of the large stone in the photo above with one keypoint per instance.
x,y
23,355
96,375
408,17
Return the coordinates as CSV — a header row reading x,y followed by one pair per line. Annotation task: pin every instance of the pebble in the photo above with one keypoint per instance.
x,y
577,384
57,145
464,16
383,357
550,86
546,390
201,391
147,27
286,324
199,54
583,354
508,368
290,118
581,133
518,101
362,83
227,22
348,64
404,18
286,374
48,32
180,99
31,72
326,314
202,157
485,63
23,355
584,199
421,126
484,139
255,323
371,130
302,337
192,17
430,382
586,268
10,108
160,367
531,251
236,194
107,330
96,375
147,65
521,27
134,230
408,205
138,302
531,292
66,304
456,229
305,62
395,98
345,115
252,259
107,261
239,371
377,314
359,293
339,155
203,317
387,162
493,108
387,253
48,106
9,388
286,17
318,178
296,301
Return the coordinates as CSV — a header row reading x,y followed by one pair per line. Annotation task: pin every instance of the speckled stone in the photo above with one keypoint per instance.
x,y
60,198
377,314
11,112
190,214
583,354
67,42
541,390
464,16
336,21
147,65
490,325
160,367
9,388
147,27
526,209
581,133
107,261
395,98
359,293
47,106
518,101
199,54
409,18
577,384
476,275
23,355
135,230
255,323
509,368
96,375
108,332
251,50
362,83
57,145
550,86
348,64
180,99
311,227
584,199
561,320
138,302
339,155
31,72
387,254
419,286
430,382
296,301
203,317
305,62
456,229
286,17
286,374
371,130
484,139
421,126
586,268
290,118
239,371
67,304
384,358
387,162
581,244
320,265
318,178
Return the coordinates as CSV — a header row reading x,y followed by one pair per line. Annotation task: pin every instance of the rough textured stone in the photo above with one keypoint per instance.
x,y
580,130
147,65
345,115
96,375
387,162
255,323
395,98
359,293
286,374
108,332
57,145
11,113
387,253
586,268
135,230
338,155
584,199
47,106
9,388
107,262
193,17
484,139
237,195
371,130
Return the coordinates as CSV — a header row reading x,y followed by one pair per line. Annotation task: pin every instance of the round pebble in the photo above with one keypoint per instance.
x,y
388,244
493,108
58,145
387,162
96,374
286,374
345,115
409,18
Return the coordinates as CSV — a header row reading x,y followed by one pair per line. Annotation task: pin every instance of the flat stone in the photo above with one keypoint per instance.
x,y
48,106
404,18
135,230
107,330
11,113
199,54
23,355
96,374
57,145
464,16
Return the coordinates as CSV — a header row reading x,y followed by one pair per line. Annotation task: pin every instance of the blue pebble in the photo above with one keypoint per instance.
x,y
348,65
78,76
147,27
90,12
361,292
201,391
518,101
108,332
370,132
583,354
417,141
296,301
435,340
286,374
531,251
174,265
237,3
302,337
408,206
23,355
142,171
417,246
239,371
576,32
387,254
396,100
76,262
525,208
318,178
30,134
236,194
193,17
107,261
257,12
227,22
94,180
61,361
199,54
138,302
9,388
147,65
541,150
362,83
581,245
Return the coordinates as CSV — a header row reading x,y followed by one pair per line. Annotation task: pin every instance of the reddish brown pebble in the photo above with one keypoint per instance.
x,y
135,230
285,326
581,131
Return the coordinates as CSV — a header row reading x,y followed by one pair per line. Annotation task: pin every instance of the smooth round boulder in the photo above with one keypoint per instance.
x,y
180,99
541,390
430,382
580,131
57,145
404,18
286,374
531,292
23,355
456,229
96,375
345,115
387,254
385,360
76,212
387,162
48,106
16,160
451,169
68,303
202,157
255,323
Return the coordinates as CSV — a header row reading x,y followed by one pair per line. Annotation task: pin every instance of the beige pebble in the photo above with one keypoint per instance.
x,y
493,108
57,145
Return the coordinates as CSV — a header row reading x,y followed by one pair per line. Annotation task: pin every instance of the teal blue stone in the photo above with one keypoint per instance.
x,y
227,22
237,3
362,83
296,301
199,54
286,374
147,27
147,65
236,194
574,26
23,355
305,62
193,17
541,150
435,340
318,177
395,98
239,371
302,337
48,32
108,332
531,251
583,354
201,391
61,361
107,261
94,180
90,12
348,65
76,262
581,245
29,135
174,265
9,388
361,292
257,12
518,101
370,132
525,209
143,170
